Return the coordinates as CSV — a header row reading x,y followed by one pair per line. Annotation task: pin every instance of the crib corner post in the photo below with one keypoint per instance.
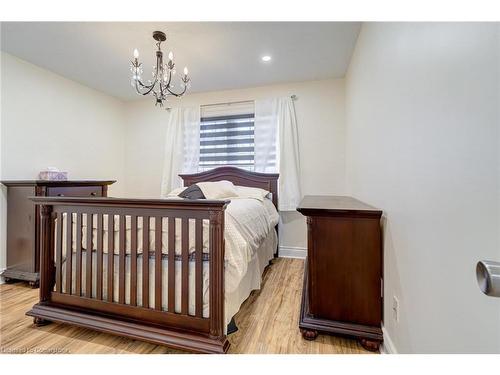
x,y
216,279
46,252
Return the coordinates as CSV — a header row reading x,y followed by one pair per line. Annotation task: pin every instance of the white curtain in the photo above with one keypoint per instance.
x,y
182,146
277,147
265,135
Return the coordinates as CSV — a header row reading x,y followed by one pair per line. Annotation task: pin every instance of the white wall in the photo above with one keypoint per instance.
x,y
47,120
320,115
423,144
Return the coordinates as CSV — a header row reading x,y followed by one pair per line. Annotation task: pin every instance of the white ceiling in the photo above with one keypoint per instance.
x,y
220,55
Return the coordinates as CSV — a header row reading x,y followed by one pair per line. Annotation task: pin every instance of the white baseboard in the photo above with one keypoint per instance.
x,y
292,252
2,281
388,345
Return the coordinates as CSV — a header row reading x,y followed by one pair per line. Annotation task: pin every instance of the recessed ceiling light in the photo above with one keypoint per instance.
x,y
266,58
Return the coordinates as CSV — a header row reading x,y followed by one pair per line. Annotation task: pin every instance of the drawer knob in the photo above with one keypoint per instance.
x,y
60,195
93,194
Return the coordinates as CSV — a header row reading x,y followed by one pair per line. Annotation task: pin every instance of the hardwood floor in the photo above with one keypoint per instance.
x,y
267,322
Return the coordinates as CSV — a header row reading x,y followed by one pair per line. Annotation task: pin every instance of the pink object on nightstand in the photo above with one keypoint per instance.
x,y
53,174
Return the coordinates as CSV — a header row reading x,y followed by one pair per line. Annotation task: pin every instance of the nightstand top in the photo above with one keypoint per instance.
x,y
57,183
334,205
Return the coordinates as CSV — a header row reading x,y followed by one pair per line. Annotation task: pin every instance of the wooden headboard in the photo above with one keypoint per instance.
x,y
241,177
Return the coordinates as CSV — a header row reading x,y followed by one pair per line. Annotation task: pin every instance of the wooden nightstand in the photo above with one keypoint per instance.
x,y
343,282
23,221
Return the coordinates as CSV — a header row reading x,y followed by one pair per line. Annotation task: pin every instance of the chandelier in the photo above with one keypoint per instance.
x,y
161,86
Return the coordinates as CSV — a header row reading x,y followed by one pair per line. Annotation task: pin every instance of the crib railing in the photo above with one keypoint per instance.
x,y
99,257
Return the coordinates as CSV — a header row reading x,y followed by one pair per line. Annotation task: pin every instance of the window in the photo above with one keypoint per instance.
x,y
227,136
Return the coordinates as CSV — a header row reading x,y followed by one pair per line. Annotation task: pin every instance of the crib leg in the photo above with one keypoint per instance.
x,y
34,284
39,322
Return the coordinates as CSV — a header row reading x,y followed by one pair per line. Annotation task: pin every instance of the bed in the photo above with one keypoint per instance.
x,y
183,298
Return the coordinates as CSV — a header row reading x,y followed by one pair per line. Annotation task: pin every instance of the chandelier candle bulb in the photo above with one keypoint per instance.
x,y
185,71
171,56
136,54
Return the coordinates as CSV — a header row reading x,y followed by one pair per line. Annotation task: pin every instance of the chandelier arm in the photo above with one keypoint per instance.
x,y
142,85
148,88
136,65
177,94
169,77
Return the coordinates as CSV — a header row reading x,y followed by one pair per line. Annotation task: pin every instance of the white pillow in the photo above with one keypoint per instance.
x,y
250,192
218,189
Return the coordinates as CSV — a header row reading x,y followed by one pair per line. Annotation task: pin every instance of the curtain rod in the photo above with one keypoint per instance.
x,y
294,97
227,103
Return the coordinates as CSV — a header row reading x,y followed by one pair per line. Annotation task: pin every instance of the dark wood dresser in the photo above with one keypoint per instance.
x,y
23,221
343,283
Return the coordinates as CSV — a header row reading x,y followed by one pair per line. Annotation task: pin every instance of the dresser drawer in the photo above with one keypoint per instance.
x,y
75,191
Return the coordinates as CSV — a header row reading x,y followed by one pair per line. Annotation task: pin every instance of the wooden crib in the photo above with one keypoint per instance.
x,y
96,305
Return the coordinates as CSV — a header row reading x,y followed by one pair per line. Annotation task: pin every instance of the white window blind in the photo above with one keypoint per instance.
x,y
227,136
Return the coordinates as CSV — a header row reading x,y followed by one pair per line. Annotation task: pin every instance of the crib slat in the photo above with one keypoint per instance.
x,y
145,261
78,254
133,261
171,264
88,263
158,248
185,266
69,250
111,249
59,252
121,261
99,257
199,268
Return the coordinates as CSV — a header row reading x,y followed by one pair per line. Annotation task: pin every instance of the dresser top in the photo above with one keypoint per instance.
x,y
333,205
57,183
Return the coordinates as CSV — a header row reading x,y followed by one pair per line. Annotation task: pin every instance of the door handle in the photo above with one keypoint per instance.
x,y
488,277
